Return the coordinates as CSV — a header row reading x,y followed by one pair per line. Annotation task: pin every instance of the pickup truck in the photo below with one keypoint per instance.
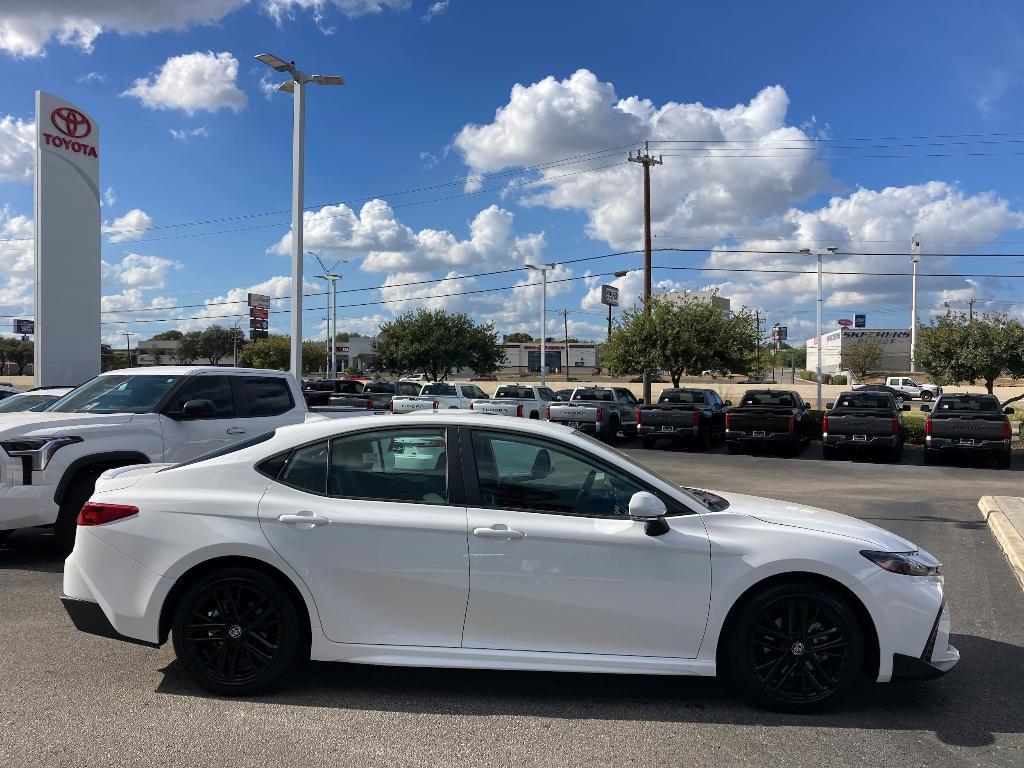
x,y
967,424
376,395
318,391
768,418
912,389
696,416
49,460
863,421
438,395
601,411
518,400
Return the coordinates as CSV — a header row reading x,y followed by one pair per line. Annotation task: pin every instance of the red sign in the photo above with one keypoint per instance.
x,y
71,122
846,323
259,312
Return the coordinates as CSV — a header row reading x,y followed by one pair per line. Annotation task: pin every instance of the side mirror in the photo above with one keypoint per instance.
x,y
728,402
926,408
198,409
640,400
1008,411
647,508
905,407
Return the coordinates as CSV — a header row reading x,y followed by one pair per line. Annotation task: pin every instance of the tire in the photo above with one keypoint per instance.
x,y
1004,459
534,415
648,442
895,455
796,647
930,457
612,432
77,494
241,620
926,396
703,441
829,452
795,446
734,448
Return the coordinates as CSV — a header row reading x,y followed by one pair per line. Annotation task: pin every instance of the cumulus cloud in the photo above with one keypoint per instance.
x,y
192,82
184,134
391,246
222,309
109,197
17,148
141,272
26,26
17,262
707,193
131,226
279,10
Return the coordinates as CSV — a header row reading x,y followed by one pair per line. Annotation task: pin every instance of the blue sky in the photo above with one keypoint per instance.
x,y
799,101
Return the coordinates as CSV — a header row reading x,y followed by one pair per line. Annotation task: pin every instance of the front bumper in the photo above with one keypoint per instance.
x,y
874,441
24,506
937,657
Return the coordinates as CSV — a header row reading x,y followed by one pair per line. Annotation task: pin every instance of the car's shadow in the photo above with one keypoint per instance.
x,y
31,550
983,697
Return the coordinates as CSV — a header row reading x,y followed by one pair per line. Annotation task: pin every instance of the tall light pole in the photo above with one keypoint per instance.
x,y
817,342
543,269
234,341
332,325
297,87
915,257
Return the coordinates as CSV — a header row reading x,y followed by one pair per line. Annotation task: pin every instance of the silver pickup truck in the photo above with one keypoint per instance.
x,y
523,400
968,424
601,411
438,395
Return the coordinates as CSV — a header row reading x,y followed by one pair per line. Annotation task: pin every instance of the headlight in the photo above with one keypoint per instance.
x,y
918,563
39,449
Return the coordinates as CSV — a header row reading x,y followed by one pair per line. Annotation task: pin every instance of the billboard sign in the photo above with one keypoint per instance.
x,y
259,313
259,301
780,333
845,322
25,327
610,295
860,321
67,242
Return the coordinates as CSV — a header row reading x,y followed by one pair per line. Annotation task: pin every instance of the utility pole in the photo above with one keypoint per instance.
x,y
128,339
234,343
646,160
915,257
327,347
565,321
757,344
970,309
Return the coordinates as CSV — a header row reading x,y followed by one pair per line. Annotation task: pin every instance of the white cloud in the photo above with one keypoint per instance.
x,y
17,148
389,245
704,195
109,198
192,82
127,304
140,272
631,288
131,226
183,134
17,263
435,9
220,310
269,85
27,25
279,10
91,77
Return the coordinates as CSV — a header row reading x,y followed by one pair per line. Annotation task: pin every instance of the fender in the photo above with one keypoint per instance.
x,y
110,458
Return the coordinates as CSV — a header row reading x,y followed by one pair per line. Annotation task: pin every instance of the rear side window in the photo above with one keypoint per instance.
x,y
216,389
306,469
391,465
267,395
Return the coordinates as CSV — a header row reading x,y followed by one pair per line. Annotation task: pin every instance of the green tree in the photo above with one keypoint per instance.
x,y
273,352
953,348
347,335
314,357
216,343
188,349
518,338
680,337
168,336
437,342
21,353
862,357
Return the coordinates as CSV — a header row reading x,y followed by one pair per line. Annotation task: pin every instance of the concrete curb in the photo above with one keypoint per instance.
x,y
1005,517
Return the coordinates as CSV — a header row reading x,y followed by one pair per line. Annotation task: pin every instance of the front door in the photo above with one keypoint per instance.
x,y
381,548
556,564
186,438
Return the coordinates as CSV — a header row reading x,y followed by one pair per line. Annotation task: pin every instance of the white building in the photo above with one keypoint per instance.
x,y
525,358
706,295
895,348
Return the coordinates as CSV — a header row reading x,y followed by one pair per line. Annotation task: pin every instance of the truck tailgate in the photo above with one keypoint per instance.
x,y
656,416
972,427
497,408
859,424
575,413
767,420
410,404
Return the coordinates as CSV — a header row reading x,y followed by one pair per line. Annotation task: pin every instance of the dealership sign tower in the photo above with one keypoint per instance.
x,y
67,243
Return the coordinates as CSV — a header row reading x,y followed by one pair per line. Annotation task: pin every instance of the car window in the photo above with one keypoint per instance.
x,y
626,396
516,472
408,388
438,389
267,395
546,393
513,393
380,388
306,469
599,395
390,465
473,391
675,396
768,398
216,389
865,400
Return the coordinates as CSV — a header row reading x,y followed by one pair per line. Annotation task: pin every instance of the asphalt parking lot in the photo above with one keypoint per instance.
x,y
68,699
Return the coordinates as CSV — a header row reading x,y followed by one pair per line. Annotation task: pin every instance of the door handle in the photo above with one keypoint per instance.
x,y
303,520
499,532
236,430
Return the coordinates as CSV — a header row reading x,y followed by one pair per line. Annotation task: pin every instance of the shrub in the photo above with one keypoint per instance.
x,y
913,431
814,424
839,379
806,375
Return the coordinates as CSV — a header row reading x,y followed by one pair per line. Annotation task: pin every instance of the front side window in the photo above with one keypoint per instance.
x,y
117,394
216,389
390,465
474,392
516,472
267,395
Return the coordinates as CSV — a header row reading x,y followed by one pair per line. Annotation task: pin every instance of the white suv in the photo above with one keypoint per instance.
x,y
49,460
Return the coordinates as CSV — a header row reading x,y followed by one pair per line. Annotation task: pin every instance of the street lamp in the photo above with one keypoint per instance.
x,y
332,325
817,367
543,269
297,87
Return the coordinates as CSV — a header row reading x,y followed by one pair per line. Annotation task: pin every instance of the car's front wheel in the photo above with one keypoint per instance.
x,y
926,396
796,647
237,631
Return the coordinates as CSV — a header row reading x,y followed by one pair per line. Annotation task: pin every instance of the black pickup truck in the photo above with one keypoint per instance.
x,y
768,418
318,391
377,394
863,421
967,424
693,416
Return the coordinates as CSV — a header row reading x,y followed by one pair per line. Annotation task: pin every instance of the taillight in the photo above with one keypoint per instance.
x,y
789,424
471,406
519,409
547,413
600,414
637,415
1007,430
927,427
696,418
369,405
96,513
728,421
305,399
436,404
824,424
895,425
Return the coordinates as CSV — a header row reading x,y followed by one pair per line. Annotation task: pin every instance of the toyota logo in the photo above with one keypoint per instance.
x,y
71,122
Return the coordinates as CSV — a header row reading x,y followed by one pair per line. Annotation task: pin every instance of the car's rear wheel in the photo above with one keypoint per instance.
x,y
1004,459
648,442
829,452
796,647
930,457
237,631
5,534
734,448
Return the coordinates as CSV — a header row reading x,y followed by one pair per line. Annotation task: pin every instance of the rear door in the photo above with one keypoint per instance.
x,y
186,438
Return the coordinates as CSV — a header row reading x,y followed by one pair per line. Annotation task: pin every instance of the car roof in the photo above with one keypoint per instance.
x,y
188,370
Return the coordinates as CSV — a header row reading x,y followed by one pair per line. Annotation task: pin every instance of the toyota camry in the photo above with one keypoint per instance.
x,y
454,539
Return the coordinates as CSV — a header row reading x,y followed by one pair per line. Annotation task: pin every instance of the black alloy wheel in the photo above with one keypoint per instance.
x,y
798,648
237,631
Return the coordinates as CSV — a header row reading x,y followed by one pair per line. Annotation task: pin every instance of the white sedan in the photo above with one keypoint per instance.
x,y
466,540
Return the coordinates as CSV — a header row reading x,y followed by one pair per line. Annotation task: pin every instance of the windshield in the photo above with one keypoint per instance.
x,y
117,394
25,402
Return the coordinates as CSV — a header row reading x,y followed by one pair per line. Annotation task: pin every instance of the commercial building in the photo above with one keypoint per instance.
x,y
895,347
525,358
706,295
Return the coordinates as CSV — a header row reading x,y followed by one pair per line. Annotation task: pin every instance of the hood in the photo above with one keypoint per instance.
x,y
815,519
45,422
